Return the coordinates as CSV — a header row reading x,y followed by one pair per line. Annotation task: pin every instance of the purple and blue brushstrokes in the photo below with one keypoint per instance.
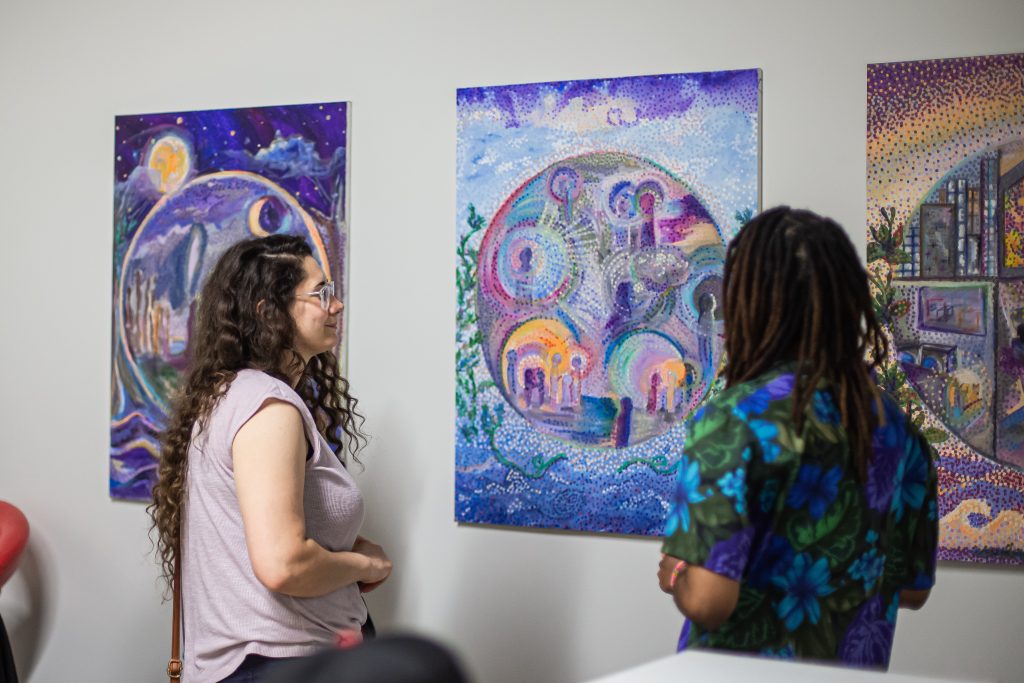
x,y
187,185
577,360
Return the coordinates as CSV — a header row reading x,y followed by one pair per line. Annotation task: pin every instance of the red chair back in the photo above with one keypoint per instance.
x,y
13,539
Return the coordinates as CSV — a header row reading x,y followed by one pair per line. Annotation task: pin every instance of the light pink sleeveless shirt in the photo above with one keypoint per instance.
x,y
227,612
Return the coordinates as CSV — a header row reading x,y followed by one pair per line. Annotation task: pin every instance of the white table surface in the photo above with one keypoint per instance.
x,y
692,667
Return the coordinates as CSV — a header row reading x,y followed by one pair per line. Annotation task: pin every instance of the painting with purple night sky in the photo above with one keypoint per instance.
x,y
592,219
187,186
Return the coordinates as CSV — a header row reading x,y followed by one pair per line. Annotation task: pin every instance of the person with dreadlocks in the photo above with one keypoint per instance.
x,y
254,501
805,503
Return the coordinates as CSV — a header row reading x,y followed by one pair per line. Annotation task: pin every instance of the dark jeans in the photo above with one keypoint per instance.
x,y
7,672
257,668
390,659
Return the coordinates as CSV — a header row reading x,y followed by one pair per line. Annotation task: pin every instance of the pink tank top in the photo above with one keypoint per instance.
x,y
228,613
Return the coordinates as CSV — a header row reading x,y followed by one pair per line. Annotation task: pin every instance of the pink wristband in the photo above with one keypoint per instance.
x,y
680,566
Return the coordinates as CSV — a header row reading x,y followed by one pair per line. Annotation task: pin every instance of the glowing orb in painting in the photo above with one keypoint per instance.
x,y
175,247
598,299
169,161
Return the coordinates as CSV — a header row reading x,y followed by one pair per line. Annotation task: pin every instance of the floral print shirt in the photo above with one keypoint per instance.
x,y
820,556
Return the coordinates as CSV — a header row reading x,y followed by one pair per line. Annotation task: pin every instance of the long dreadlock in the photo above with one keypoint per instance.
x,y
795,290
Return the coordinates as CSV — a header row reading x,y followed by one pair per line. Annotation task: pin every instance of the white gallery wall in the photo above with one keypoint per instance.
x,y
517,605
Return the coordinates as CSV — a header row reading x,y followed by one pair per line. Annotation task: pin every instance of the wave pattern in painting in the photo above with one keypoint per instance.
x,y
187,186
593,219
946,259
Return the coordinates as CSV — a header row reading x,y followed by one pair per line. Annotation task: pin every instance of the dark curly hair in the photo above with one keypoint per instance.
x,y
229,335
795,290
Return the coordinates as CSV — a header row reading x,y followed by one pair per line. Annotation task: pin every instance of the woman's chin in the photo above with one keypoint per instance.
x,y
331,343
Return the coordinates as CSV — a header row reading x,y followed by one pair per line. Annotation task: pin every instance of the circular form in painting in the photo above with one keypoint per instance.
x,y
599,299
174,248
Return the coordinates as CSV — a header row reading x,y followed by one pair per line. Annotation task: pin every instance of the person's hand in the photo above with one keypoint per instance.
x,y
666,568
379,566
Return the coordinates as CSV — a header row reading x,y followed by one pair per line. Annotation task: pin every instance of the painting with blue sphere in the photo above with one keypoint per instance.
x,y
188,185
592,220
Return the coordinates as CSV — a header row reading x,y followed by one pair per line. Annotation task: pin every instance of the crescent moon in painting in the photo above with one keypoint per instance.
x,y
254,217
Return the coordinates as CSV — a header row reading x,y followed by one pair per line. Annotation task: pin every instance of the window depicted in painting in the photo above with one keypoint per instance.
x,y
946,258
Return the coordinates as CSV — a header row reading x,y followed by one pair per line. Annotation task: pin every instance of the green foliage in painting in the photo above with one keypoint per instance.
x,y
886,254
475,417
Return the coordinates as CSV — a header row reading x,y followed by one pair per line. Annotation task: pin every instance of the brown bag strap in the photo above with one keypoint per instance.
x,y
174,665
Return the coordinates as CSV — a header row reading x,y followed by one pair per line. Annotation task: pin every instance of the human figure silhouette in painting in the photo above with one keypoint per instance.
x,y
652,393
623,422
526,260
680,395
529,383
540,383
510,372
576,395
621,205
706,305
148,327
556,360
135,297
647,201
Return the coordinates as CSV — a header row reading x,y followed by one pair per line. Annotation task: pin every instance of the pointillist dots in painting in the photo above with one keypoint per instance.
x,y
584,307
189,185
945,247
593,218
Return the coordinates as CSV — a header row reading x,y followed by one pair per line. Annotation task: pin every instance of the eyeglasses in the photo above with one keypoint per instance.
x,y
326,293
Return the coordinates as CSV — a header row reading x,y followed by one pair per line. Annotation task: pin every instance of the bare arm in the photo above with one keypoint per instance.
x,y
704,597
269,460
914,599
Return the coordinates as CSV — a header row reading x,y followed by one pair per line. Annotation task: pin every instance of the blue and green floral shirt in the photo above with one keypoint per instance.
x,y
820,556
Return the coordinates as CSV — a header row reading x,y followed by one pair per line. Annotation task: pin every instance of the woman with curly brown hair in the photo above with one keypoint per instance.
x,y
254,496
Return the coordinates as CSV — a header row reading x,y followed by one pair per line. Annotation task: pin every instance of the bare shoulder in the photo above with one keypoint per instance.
x,y
276,422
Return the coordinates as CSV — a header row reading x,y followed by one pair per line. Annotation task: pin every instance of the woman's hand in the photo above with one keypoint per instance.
x,y
379,568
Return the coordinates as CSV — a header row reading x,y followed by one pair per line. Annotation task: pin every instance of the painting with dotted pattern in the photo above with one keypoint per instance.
x,y
945,213
187,186
592,219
